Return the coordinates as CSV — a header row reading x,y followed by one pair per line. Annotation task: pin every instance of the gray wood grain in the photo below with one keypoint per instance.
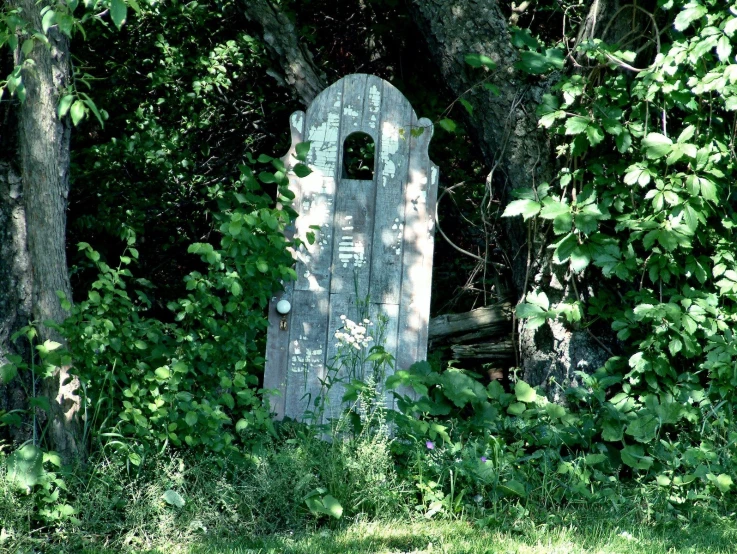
x,y
420,197
374,241
493,319
391,176
322,129
308,336
501,351
277,340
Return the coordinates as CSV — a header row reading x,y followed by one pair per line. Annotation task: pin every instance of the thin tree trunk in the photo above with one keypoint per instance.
x,y
44,160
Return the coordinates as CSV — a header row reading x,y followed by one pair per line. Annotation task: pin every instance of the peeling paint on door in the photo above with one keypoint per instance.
x,y
372,239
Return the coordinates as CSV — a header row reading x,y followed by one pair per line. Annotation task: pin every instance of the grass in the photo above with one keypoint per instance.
x,y
459,537
565,532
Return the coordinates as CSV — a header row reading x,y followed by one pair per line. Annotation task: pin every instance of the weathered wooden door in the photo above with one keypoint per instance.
x,y
373,237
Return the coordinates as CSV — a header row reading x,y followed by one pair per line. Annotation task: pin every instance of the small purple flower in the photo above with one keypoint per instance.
x,y
430,445
483,459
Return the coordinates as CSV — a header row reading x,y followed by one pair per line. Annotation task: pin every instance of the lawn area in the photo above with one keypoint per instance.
x,y
596,536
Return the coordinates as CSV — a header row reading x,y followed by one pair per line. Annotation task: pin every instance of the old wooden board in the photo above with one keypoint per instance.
x,y
493,319
419,200
374,241
316,208
277,352
308,337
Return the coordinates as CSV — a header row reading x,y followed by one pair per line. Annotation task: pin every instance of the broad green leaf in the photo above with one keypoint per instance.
x,y
173,498
466,104
162,372
577,124
25,467
674,346
48,20
266,177
513,487
657,145
533,63
516,408
538,299
448,124
612,431
563,223
587,220
723,482
643,428
492,88
93,107
236,289
525,207
27,46
555,58
461,389
7,373
191,419
564,248
580,258
524,392
686,135
332,506
301,170
118,12
593,459
50,346
553,208
690,13
663,480
301,150
554,410
523,37
623,142
525,310
708,190
634,457
64,104
594,134
730,27
77,111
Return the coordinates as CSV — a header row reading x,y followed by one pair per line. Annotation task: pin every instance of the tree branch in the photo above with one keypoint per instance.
x,y
281,38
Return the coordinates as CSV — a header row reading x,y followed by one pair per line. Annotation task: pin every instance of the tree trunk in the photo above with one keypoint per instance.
x,y
44,160
15,284
506,128
295,61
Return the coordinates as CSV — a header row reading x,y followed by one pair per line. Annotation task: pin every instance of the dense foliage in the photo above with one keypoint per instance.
x,y
177,229
643,199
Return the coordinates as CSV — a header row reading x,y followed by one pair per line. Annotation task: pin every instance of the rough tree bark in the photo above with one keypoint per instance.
x,y
297,68
506,128
36,275
15,287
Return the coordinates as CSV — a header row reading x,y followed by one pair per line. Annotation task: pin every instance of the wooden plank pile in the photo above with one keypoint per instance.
x,y
482,334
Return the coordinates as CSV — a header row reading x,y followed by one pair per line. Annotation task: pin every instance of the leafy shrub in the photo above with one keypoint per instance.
x,y
192,381
468,440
